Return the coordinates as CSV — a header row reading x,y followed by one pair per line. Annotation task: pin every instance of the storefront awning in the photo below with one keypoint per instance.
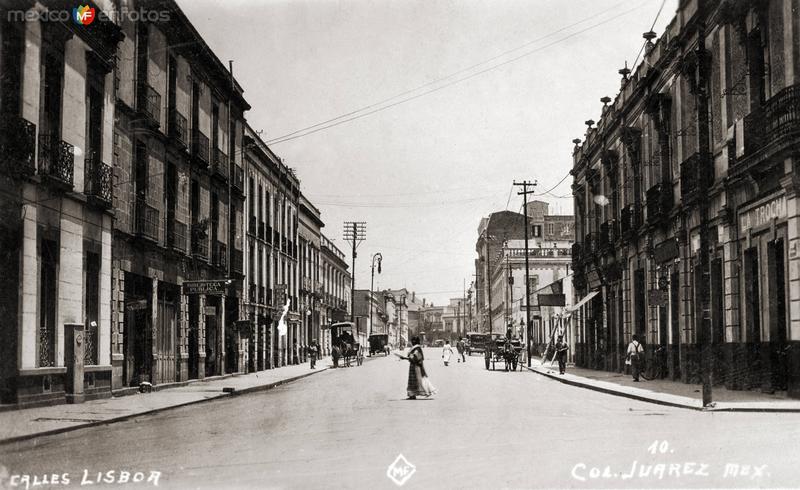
x,y
582,302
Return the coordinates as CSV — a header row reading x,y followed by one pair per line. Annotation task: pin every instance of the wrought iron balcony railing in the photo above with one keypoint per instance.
x,y
237,261
17,146
56,160
659,203
609,233
776,121
238,178
629,221
261,230
199,244
146,220
253,226
219,255
150,103
177,236
219,167
200,147
179,127
97,180
695,170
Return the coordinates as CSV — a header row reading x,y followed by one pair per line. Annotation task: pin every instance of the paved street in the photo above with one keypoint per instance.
x,y
484,429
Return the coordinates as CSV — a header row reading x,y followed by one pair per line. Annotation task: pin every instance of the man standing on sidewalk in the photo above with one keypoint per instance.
x,y
312,354
561,354
635,351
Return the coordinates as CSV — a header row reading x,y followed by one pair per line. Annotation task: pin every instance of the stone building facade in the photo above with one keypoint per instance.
x,y
686,202
56,147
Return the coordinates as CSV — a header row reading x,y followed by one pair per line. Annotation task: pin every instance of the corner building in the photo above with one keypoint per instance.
x,y
713,106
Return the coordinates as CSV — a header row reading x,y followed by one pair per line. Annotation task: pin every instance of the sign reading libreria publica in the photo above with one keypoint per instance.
x,y
762,214
205,287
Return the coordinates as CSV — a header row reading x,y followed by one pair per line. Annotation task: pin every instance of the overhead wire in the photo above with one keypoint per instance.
x,y
449,84
446,77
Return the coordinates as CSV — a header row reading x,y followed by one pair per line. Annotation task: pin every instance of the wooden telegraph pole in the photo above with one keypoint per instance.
x,y
525,184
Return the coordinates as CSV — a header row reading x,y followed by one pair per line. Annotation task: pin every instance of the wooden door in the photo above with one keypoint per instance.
x,y
165,358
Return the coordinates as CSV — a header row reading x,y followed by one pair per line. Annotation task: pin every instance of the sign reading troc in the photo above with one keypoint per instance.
x,y
762,214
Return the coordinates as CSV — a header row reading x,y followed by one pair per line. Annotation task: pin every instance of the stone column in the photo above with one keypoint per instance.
x,y
155,368
29,290
201,336
791,184
183,339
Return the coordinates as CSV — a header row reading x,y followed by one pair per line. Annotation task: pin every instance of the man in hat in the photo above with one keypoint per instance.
x,y
561,354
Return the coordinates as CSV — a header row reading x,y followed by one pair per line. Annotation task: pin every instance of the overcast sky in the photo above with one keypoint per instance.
x,y
423,172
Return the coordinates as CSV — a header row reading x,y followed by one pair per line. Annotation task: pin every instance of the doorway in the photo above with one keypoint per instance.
x,y
777,315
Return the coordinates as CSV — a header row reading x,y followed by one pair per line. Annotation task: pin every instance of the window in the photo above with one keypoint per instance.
x,y
12,54
91,304
537,231
48,257
551,229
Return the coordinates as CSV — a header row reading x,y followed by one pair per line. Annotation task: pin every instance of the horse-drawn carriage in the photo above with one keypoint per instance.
x,y
503,350
344,345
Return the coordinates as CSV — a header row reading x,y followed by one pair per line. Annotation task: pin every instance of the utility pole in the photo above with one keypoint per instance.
x,y
704,167
379,256
354,232
525,184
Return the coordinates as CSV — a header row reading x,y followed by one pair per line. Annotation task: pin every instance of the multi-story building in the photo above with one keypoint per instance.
x,y
402,300
549,258
178,196
56,147
431,322
454,318
335,305
271,254
309,239
686,202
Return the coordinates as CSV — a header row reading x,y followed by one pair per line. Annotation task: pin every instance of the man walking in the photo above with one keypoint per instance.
x,y
460,347
634,354
561,354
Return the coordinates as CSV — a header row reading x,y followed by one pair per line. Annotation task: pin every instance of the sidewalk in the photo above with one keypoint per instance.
x,y
665,392
16,425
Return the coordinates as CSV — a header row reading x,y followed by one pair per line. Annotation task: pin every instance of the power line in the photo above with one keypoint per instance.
x,y
446,77
454,82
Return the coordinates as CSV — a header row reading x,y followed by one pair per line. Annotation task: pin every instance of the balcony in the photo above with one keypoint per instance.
x,y
146,220
659,203
276,237
219,165
252,229
17,146
776,124
199,243
538,252
200,148
56,160
268,234
237,261
177,236
97,181
179,128
150,104
609,233
253,293
238,179
591,247
261,230
219,255
262,295
576,255
695,170
629,221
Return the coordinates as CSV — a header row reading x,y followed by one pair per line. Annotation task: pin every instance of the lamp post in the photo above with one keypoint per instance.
x,y
376,255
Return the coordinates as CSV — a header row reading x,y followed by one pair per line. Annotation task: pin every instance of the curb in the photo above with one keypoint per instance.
x,y
609,391
122,418
656,401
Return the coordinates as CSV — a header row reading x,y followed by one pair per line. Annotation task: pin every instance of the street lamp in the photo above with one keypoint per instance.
x,y
376,255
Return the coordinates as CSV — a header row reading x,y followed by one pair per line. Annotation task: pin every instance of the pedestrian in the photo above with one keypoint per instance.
x,y
418,382
312,354
460,347
561,354
634,357
447,353
335,354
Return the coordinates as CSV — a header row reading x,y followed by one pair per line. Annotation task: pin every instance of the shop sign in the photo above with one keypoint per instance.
x,y
666,250
762,214
210,311
218,287
552,300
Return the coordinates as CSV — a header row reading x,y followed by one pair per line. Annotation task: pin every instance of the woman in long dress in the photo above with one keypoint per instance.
x,y
418,382
447,353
